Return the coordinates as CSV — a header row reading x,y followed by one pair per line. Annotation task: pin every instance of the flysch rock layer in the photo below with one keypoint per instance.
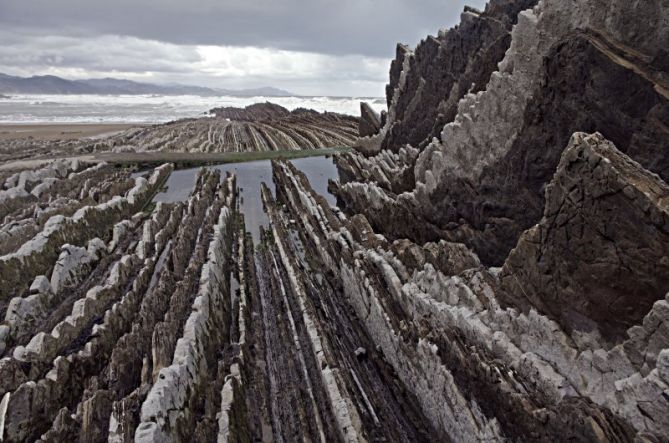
x,y
380,319
571,66
442,69
86,377
37,255
260,127
482,370
166,405
599,257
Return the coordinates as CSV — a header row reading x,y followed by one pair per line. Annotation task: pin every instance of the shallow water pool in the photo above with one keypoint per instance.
x,y
250,176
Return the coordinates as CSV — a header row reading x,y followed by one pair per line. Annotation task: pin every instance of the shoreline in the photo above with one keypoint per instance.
x,y
63,131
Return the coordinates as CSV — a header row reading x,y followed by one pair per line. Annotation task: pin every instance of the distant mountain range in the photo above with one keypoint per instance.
x,y
50,84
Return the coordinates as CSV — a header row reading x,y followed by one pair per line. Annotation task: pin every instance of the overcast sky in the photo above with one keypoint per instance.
x,y
311,47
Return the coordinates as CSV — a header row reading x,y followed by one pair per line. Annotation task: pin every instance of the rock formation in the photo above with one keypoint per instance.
x,y
495,268
480,180
254,112
599,257
264,127
370,122
258,127
577,227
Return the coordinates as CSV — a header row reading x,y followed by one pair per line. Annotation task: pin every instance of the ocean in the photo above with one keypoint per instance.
x,y
153,108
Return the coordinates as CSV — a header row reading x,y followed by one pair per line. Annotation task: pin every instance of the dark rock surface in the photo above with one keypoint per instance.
x,y
599,257
442,69
585,88
482,185
494,373
254,112
370,122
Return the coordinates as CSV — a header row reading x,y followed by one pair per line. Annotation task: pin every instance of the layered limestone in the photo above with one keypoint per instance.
x,y
597,260
489,273
37,256
260,127
442,69
390,171
494,372
29,185
82,374
166,405
504,144
481,178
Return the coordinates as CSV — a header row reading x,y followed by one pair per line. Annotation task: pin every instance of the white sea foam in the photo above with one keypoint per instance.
x,y
152,108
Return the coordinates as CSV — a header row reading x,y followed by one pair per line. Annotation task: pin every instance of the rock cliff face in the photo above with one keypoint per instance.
x,y
568,68
599,257
575,221
427,83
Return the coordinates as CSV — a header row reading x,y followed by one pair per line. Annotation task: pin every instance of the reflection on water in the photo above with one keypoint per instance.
x,y
319,170
179,186
250,175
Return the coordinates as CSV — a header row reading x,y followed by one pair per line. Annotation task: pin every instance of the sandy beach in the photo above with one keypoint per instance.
x,y
60,131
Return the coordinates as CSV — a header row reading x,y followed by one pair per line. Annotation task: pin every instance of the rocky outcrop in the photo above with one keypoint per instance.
x,y
492,274
37,255
260,127
254,112
599,257
578,231
86,362
427,83
166,406
481,180
370,122
494,372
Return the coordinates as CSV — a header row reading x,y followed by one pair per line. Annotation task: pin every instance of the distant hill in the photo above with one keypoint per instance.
x,y
50,84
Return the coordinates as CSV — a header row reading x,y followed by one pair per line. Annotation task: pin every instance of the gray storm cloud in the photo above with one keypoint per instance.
x,y
346,42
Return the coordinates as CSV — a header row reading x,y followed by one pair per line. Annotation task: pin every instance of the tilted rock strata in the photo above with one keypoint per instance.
x,y
383,320
348,367
94,361
167,402
599,257
370,122
481,180
442,69
37,255
494,372
390,171
256,128
532,128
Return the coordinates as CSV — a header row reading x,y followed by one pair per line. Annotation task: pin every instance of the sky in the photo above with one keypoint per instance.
x,y
309,47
